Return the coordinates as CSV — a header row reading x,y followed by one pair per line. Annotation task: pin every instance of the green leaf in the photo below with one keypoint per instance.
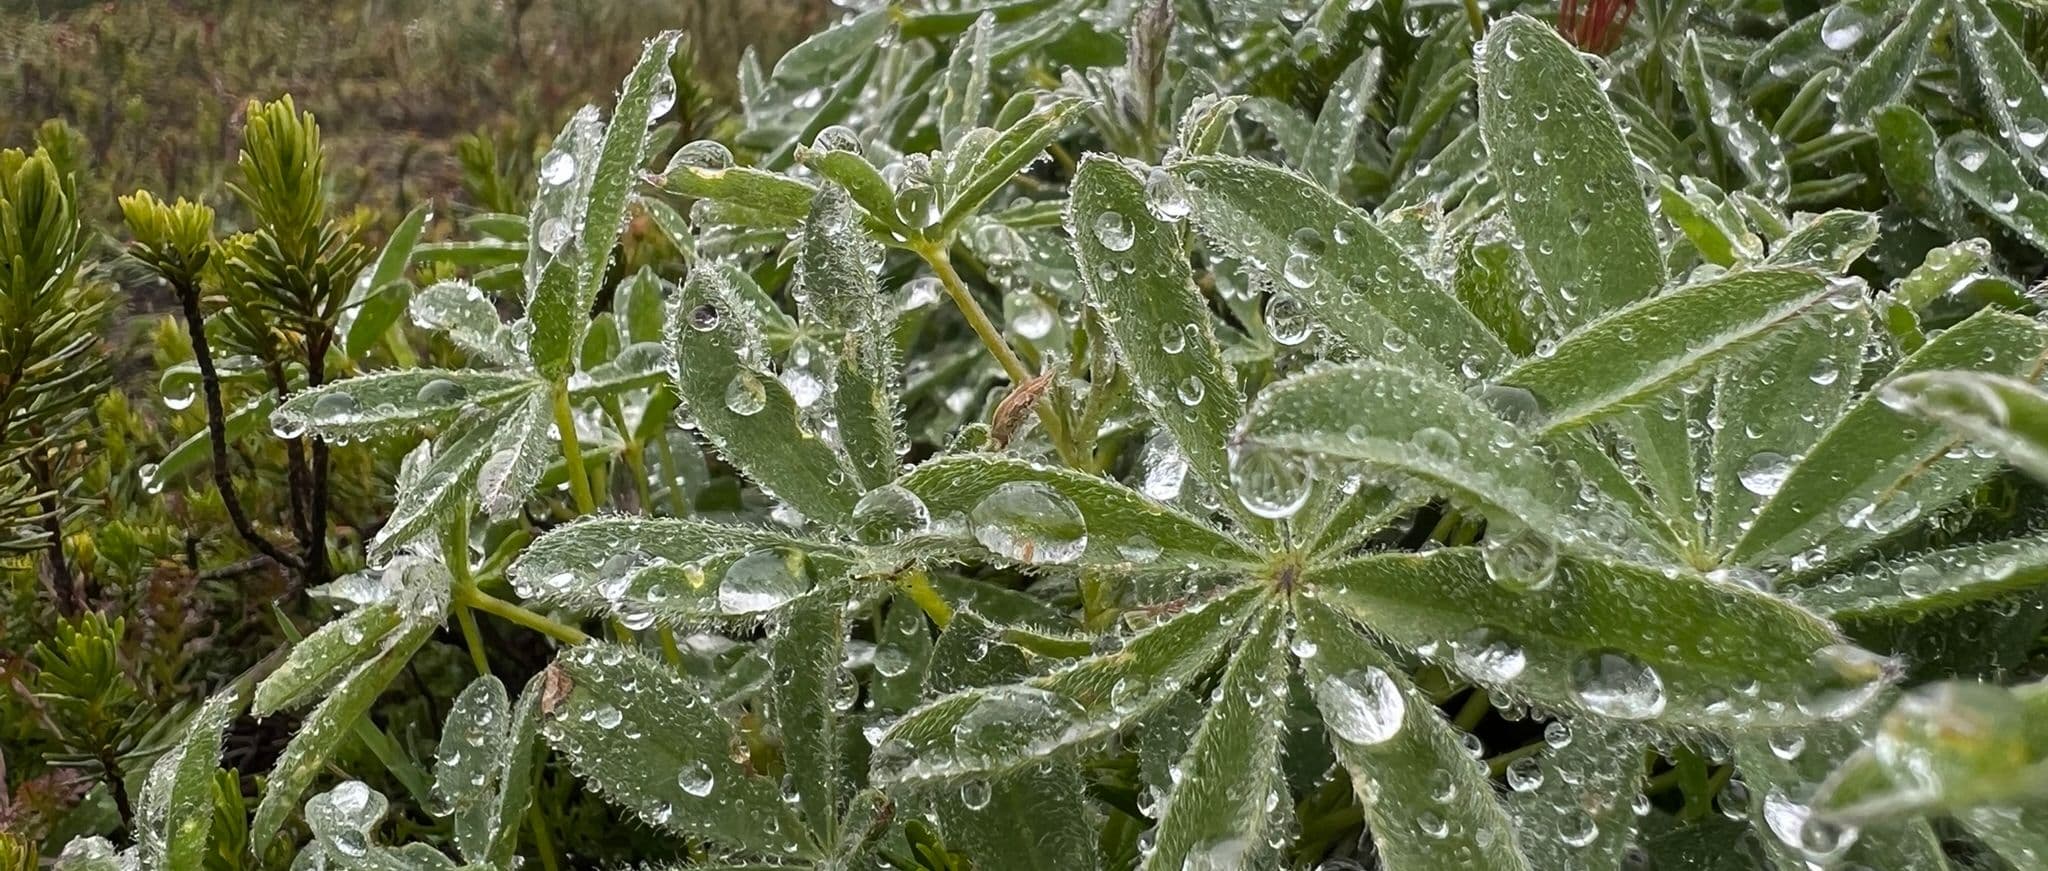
x,y
1353,279
1393,419
1119,526
1406,762
1034,818
775,198
1493,282
329,724
2014,95
196,451
1610,639
2004,414
836,273
1583,814
1907,147
830,50
1668,338
1782,797
520,451
515,776
679,572
1877,468
963,100
1018,146
1154,315
557,211
333,650
1207,123
1829,242
645,740
1218,816
379,295
461,312
2018,834
445,475
1714,230
747,413
1333,144
1940,272
397,402
982,731
903,654
1929,581
1733,129
1986,175
469,760
1813,366
1572,190
862,181
174,815
806,652
1887,73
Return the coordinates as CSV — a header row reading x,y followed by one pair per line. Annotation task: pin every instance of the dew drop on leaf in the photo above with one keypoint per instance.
x,y
696,778
1286,320
1114,231
1029,522
558,168
1363,706
1487,653
1764,472
889,512
1617,684
1270,483
745,395
1519,558
761,580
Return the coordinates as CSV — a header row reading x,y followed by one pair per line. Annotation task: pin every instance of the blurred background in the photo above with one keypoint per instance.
x,y
152,89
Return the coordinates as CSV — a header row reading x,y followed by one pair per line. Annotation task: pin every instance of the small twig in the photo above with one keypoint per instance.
x,y
315,543
217,430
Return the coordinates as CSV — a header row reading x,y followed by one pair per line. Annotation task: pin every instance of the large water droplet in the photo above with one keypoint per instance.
x,y
761,580
1765,472
1364,706
1488,654
696,778
745,395
1270,483
1114,231
1029,522
889,512
1618,685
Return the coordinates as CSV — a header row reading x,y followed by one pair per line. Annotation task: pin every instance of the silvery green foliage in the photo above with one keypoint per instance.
x,y
1285,450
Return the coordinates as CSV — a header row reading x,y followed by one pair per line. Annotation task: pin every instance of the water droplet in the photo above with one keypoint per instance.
x,y
889,512
181,397
1519,558
975,794
761,580
1270,483
1486,653
1029,522
1525,774
1617,684
745,395
557,168
837,137
1765,472
1841,679
1364,706
1843,27
441,391
334,408
1286,320
1114,231
696,778
1166,197
704,156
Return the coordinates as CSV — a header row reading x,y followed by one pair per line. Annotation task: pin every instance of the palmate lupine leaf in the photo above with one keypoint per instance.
x,y
1673,336
1428,803
664,752
1352,279
1876,468
174,814
1572,190
397,402
980,732
469,320
601,178
1815,366
2005,414
1987,176
1611,639
1220,814
316,662
748,414
836,274
1010,152
1583,812
1158,321
1028,512
1782,774
1888,72
678,572
806,653
1929,581
2014,94
328,724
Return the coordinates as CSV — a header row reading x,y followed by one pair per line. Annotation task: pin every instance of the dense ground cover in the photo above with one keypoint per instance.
x,y
1067,434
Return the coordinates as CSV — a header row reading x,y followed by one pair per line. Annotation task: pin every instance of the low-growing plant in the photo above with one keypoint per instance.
x,y
1055,450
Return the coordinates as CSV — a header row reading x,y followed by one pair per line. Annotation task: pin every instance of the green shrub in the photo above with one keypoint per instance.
x,y
1042,443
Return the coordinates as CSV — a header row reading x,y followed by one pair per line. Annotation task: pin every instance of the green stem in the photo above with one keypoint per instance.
x,y
1476,706
678,500
542,842
935,255
572,452
1476,18
489,604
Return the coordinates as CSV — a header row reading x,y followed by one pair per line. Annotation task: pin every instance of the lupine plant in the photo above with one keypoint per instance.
x,y
1575,442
